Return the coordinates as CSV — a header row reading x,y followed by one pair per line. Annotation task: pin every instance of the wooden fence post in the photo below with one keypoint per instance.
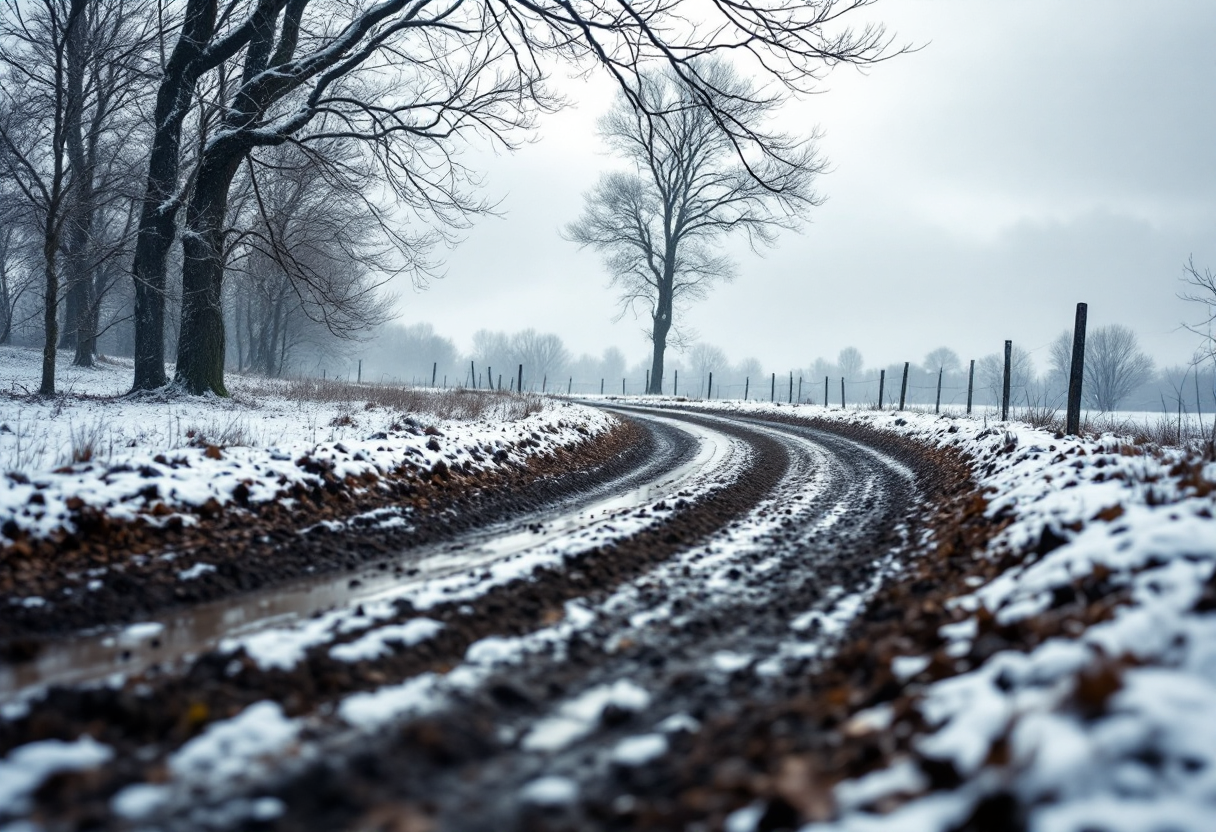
x,y
937,408
1005,383
569,385
544,382
842,392
773,394
799,389
791,387
601,387
359,378
903,388
970,385
490,377
519,387
500,382
747,383
709,390
675,387
622,387
882,382
434,372
1077,373
647,388
825,391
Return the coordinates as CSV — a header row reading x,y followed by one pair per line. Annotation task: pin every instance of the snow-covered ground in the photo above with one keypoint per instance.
x,y
1112,728
93,447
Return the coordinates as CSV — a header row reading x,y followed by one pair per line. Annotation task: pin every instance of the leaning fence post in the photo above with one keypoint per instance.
x,y
747,382
970,385
882,382
799,389
544,383
1077,372
937,407
569,385
1005,383
903,388
773,394
434,372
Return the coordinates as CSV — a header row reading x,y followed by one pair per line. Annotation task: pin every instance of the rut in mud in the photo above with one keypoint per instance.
x,y
585,696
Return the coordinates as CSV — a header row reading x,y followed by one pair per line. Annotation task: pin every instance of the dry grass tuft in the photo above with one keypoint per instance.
x,y
452,403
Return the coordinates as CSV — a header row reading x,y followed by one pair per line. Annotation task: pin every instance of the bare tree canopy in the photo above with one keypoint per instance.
x,y
943,359
850,363
991,372
1114,366
705,167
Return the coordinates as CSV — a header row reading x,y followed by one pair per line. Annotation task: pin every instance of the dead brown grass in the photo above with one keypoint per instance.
x,y
452,403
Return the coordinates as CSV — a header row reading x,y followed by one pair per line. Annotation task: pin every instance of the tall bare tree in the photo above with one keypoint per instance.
x,y
1114,366
542,354
305,265
943,359
693,184
37,101
850,363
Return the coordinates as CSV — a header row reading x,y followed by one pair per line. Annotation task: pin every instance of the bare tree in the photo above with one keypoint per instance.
x,y
1114,366
943,359
108,56
1059,359
850,363
659,227
704,359
1201,290
991,371
542,354
36,102
17,277
304,261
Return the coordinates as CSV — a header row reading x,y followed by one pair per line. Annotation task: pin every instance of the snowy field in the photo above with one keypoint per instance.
x,y
1113,729
93,445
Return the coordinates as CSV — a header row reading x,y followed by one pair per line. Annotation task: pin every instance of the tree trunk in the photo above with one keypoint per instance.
x,y
50,314
200,349
158,215
662,326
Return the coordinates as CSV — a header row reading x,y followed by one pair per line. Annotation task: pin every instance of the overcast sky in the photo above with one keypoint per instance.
x,y
1033,154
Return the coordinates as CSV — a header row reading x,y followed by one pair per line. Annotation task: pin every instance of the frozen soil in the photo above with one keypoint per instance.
x,y
258,545
672,677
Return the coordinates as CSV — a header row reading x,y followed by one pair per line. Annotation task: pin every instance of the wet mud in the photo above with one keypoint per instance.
x,y
136,565
687,618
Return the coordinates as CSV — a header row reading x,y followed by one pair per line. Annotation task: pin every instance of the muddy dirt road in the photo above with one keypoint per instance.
x,y
575,668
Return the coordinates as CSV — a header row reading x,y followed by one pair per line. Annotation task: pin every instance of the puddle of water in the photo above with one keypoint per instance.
x,y
98,656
